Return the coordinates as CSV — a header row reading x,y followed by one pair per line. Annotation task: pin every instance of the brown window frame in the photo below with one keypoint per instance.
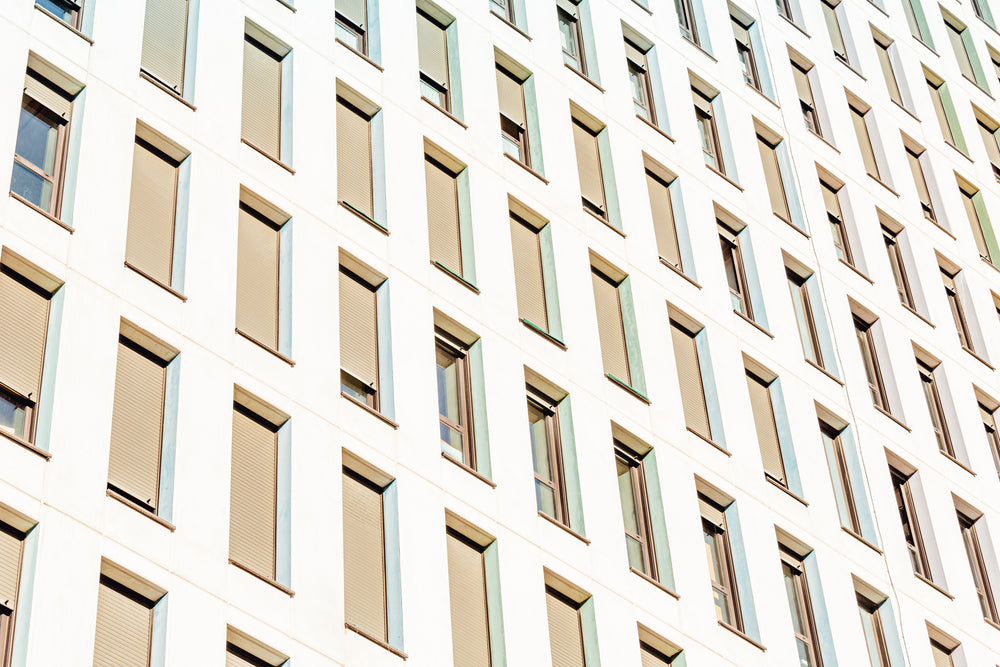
x,y
27,407
58,176
719,536
599,210
521,285
637,479
939,648
992,434
910,521
920,181
797,285
381,635
732,254
550,413
793,569
771,165
888,72
936,409
442,88
989,137
869,357
597,274
968,194
898,267
640,72
456,635
838,227
705,117
572,20
843,477
784,8
745,54
753,377
866,606
465,428
505,6
863,134
686,21
957,309
75,10
938,103
349,383
809,114
830,10
962,56
510,129
977,565
359,31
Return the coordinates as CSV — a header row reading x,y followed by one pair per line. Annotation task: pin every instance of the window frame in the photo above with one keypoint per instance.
x,y
936,408
58,176
920,182
709,131
640,497
888,71
466,430
519,138
843,476
796,572
992,432
360,32
869,358
977,565
954,298
910,520
356,386
442,88
686,21
745,54
798,286
75,7
732,252
550,413
719,536
28,409
810,113
830,10
567,18
640,70
898,267
873,611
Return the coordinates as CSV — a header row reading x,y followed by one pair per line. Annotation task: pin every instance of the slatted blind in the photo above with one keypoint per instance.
x,y
801,77
711,511
24,316
864,141
364,557
164,40
470,630
124,628
833,26
10,566
614,350
652,658
354,158
918,178
432,48
511,95
253,495
772,176
885,62
358,329
137,424
152,210
257,273
990,141
55,99
355,10
939,111
588,162
637,56
528,273
565,631
442,216
262,97
663,219
767,431
689,376
234,660
832,200
942,656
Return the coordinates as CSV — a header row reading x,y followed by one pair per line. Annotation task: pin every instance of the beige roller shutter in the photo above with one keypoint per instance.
x,y
164,41
151,212
24,318
442,216
801,77
832,200
990,141
663,220
588,162
511,96
358,329
470,630
610,326
689,376
253,499
767,431
364,557
10,566
262,97
987,416
40,90
942,656
885,62
565,631
711,512
137,425
354,10
124,628
652,658
432,48
940,112
918,177
237,657
528,273
864,141
354,158
257,272
772,176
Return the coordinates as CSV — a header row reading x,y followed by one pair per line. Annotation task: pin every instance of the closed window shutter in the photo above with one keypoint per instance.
x,y
801,77
470,630
164,40
942,657
432,47
10,567
767,431
364,557
358,329
772,176
940,112
528,276
354,10
885,62
711,512
442,216
864,142
234,660
124,628
831,199
253,499
918,179
565,631
663,220
137,424
24,317
262,97
614,349
47,95
354,158
977,226
990,141
257,273
151,212
653,658
511,96
689,376
588,161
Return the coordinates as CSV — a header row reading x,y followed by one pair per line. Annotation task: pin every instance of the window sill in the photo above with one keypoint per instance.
x,y
856,270
978,358
642,7
360,55
583,76
265,347
709,441
988,25
823,139
784,489
892,417
645,577
930,583
284,589
980,87
825,372
724,177
273,159
371,221
375,640
910,113
627,387
992,624
917,314
883,184
742,635
146,76
989,263
543,333
370,410
941,227
958,463
36,209
794,25
564,527
760,92
680,272
512,26
959,151
753,324
851,67
454,276
606,223
659,130
862,540
288,5
527,168
472,471
156,282
142,510
27,445
445,112
699,47
58,20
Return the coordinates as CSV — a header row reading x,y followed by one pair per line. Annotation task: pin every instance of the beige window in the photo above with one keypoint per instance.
x,y
358,339
732,262
164,42
720,562
69,12
454,385
935,407
244,651
364,557
762,406
686,19
804,317
11,553
708,130
957,309
903,491
610,326
938,102
588,162
793,571
916,168
772,176
840,477
631,473
969,195
571,35
744,49
882,46
470,623
988,130
690,379
513,117
977,563
639,77
955,36
529,272
943,656
869,358
835,218
871,622
546,456
860,120
836,33
664,225
432,51
894,251
262,97
443,217
124,619
565,629
258,271
354,159
352,24
988,414
807,102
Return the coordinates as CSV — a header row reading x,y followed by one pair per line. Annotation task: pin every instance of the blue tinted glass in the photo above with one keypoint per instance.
x,y
37,137
32,187
63,10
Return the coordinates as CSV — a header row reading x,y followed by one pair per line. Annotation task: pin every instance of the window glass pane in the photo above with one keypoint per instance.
x,y
794,599
62,9
37,135
804,318
629,512
449,399
12,415
31,187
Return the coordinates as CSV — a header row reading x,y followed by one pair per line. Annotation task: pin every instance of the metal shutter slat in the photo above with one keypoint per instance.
x,y
711,512
164,41
364,558
151,214
511,97
254,494
355,10
565,632
832,201
358,330
10,566
48,95
689,376
651,658
990,141
767,432
610,327
354,159
588,162
663,220
528,276
442,217
257,279
262,98
137,425
123,630
24,315
432,49
470,631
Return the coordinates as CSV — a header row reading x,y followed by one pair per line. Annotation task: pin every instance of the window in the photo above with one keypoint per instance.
x,y
529,273
882,46
761,404
125,618
639,77
977,8
443,216
943,656
838,226
355,159
944,111
352,24
871,624
467,586
801,304
588,162
635,510
689,375
11,554
869,357
977,563
995,59
732,262
571,35
988,130
992,436
432,46
744,50
720,562
504,9
258,276
772,175
936,409
970,195
365,597
914,156
957,36
898,266
164,42
664,225
654,651
359,343
860,119
841,478
546,456
616,348
244,651
513,116
784,8
918,24
69,12
957,310
455,398
263,81
806,100
41,148
836,34
901,487
565,629
708,130
686,19
793,572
